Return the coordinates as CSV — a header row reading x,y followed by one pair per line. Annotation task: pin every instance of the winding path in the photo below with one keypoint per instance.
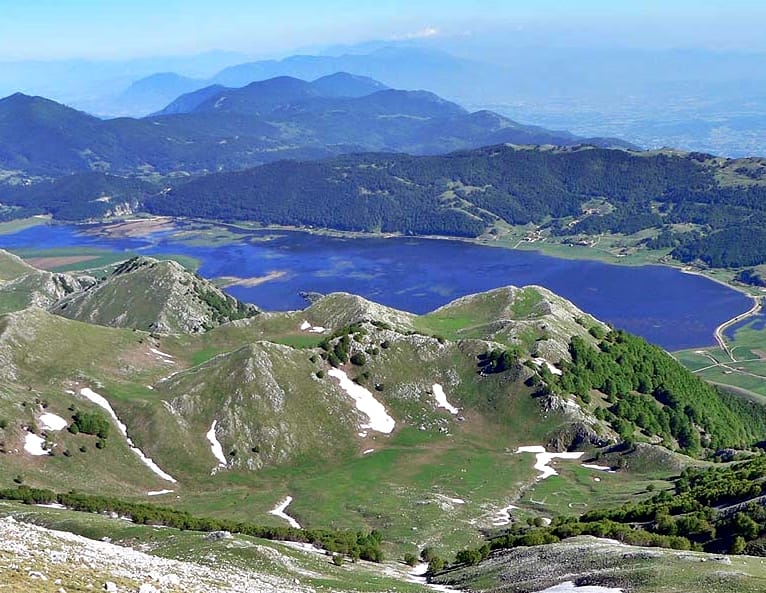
x,y
718,334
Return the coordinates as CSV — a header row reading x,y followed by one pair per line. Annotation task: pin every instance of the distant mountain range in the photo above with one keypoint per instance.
x,y
220,128
691,99
400,67
698,100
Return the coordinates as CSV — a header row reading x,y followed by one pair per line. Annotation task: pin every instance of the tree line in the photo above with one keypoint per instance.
x,y
355,544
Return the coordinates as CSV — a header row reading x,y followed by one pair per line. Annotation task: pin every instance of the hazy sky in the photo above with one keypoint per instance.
x,y
120,29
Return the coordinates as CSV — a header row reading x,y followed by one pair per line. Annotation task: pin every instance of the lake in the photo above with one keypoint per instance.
x,y
665,306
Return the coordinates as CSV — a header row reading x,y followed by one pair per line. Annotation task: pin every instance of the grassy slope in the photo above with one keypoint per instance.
x,y
251,554
401,485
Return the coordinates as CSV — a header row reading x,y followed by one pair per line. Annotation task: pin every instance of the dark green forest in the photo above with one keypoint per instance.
x,y
650,394
462,195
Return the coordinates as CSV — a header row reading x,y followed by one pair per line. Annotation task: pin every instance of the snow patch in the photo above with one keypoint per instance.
x,y
379,420
159,492
53,422
569,587
215,446
163,356
600,468
33,444
368,451
441,399
543,458
503,516
452,500
541,361
101,402
312,329
279,511
52,505
418,575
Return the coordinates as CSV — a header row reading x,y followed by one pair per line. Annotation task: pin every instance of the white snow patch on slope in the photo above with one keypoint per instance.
x,y
418,575
52,422
451,500
569,587
379,420
441,399
33,444
600,468
215,446
543,458
503,516
551,368
163,356
159,492
312,329
101,401
279,511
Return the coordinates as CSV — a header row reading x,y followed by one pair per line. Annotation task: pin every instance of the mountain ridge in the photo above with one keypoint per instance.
x,y
214,129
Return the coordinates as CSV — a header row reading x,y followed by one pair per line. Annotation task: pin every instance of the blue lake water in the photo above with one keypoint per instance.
x,y
665,306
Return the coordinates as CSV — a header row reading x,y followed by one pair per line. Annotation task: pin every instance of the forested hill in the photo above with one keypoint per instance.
x,y
464,193
700,207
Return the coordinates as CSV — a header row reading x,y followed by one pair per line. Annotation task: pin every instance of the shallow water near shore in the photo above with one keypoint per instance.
x,y
667,307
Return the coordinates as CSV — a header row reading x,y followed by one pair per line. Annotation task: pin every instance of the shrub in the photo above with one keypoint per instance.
x,y
468,556
91,423
337,560
427,554
436,564
410,559
358,359
738,545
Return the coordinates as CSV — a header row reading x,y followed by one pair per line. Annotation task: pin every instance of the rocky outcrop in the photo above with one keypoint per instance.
x,y
158,296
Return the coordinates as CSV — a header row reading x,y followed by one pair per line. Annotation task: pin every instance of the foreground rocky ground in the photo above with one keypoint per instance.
x,y
36,559
608,566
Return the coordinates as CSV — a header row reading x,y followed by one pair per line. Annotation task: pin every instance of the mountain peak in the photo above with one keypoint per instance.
x,y
343,84
145,293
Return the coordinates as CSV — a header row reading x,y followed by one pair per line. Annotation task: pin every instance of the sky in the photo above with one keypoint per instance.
x,y
118,29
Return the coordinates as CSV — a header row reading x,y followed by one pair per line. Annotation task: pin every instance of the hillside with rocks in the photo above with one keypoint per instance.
x,y
349,414
159,296
23,286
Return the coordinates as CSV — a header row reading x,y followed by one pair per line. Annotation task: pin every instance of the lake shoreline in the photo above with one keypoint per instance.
x,y
580,253
412,273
